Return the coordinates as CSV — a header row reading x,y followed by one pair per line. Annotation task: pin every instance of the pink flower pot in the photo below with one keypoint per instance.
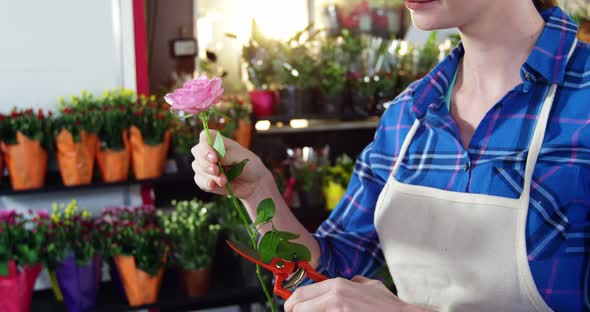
x,y
263,102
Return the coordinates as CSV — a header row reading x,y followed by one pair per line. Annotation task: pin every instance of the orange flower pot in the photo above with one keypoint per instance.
x,y
195,282
26,162
243,133
113,164
76,159
148,161
140,287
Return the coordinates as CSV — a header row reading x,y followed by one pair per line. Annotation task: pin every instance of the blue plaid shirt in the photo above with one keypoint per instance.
x,y
558,224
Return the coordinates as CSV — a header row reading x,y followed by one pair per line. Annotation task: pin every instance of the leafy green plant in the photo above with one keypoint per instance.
x,y
81,113
151,119
310,177
35,126
73,230
115,108
192,233
332,68
297,63
21,239
134,232
184,136
428,57
340,172
232,109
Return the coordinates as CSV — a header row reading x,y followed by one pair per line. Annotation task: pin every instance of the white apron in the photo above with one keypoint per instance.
x,y
453,251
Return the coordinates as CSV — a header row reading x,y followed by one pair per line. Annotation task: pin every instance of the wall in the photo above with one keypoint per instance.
x,y
59,47
165,19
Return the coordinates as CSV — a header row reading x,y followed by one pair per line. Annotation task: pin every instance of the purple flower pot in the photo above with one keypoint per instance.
x,y
79,284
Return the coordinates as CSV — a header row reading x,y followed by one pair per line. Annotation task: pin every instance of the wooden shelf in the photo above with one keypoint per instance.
x,y
54,184
319,125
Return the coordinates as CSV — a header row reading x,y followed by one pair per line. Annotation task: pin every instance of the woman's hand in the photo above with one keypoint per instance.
x,y
208,176
338,294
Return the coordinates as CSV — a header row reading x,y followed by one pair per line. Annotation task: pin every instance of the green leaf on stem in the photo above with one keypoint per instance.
x,y
293,251
267,248
287,235
265,211
218,144
234,171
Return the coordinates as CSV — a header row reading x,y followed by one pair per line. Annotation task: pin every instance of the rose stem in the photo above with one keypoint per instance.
x,y
205,119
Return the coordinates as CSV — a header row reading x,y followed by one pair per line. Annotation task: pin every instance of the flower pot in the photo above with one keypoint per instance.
x,y
311,200
140,287
79,283
55,286
264,102
26,162
184,163
115,277
76,159
148,160
360,105
331,104
17,287
114,164
333,192
195,282
243,133
296,102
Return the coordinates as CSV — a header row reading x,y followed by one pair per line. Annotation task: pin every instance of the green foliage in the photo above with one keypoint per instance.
x,y
81,113
234,171
230,110
21,239
192,231
116,109
265,211
428,57
298,61
332,68
35,126
218,145
340,172
185,135
134,232
310,177
152,119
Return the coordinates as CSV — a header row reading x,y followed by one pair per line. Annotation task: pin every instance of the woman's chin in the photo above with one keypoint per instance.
x,y
430,22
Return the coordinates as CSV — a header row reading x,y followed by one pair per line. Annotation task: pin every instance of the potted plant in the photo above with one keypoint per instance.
x,y
192,234
25,143
259,55
236,123
76,139
309,177
78,263
139,250
336,179
20,244
114,152
150,138
298,74
185,135
332,71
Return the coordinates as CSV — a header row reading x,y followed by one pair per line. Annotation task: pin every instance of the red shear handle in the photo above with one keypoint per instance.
x,y
310,272
278,288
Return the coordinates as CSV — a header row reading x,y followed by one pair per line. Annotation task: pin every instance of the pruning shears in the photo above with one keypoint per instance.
x,y
288,274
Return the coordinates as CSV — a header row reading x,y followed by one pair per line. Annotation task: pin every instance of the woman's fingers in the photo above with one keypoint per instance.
x,y
310,292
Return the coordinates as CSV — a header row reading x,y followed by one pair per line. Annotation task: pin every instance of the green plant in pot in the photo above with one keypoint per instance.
x,y
335,180
235,122
185,135
309,178
298,74
332,72
192,233
259,57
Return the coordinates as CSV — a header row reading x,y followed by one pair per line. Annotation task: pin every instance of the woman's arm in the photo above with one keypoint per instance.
x,y
251,187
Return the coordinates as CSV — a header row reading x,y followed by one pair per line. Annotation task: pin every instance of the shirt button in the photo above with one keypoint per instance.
x,y
467,166
527,76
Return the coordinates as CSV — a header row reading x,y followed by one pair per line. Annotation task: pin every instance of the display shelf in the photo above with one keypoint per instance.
x,y
54,183
109,301
317,125
329,117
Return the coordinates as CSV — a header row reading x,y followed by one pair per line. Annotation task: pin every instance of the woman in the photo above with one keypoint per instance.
x,y
476,188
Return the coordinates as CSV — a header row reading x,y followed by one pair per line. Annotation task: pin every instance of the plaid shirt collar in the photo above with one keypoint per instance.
x,y
545,64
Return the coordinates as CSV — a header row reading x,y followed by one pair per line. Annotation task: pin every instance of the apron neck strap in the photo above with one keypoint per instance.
x,y
536,140
539,133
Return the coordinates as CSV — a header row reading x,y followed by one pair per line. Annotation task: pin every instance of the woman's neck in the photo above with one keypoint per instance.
x,y
497,42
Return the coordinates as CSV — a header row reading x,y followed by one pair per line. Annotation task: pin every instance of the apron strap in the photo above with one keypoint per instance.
x,y
539,133
404,149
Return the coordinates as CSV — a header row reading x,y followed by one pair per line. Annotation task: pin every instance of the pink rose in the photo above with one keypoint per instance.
x,y
196,95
